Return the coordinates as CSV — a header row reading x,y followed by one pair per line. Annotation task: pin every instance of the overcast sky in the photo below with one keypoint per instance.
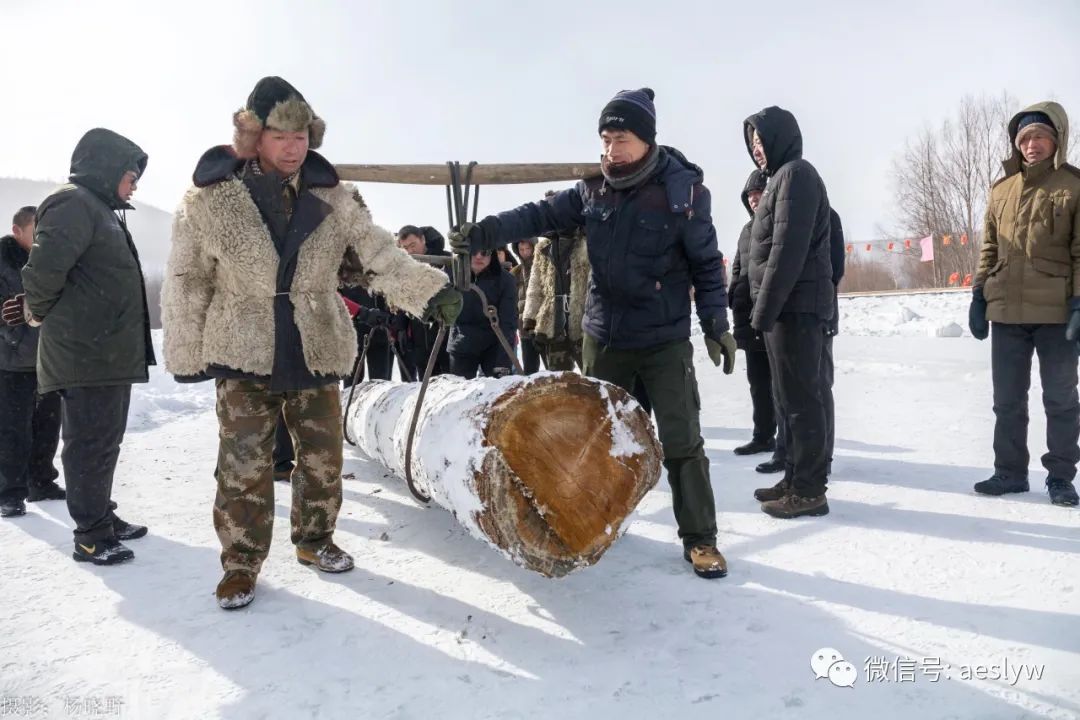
x,y
429,81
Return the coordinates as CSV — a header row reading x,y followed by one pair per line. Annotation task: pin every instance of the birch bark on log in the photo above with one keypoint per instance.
x,y
546,468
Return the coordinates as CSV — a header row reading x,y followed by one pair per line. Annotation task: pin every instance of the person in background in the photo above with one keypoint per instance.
x,y
29,421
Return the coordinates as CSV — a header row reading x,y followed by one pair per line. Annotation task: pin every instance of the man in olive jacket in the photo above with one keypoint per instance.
x,y
1028,287
84,287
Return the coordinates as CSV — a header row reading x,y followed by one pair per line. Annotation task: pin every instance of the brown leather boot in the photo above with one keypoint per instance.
x,y
707,561
775,492
236,589
793,506
329,558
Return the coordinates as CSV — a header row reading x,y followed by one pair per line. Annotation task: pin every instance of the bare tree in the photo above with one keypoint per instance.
x,y
942,181
866,274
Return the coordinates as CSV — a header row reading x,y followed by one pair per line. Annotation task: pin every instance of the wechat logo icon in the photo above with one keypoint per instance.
x,y
829,663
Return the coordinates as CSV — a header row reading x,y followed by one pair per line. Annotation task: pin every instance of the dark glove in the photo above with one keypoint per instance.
x,y
977,322
528,328
13,311
466,238
720,343
201,377
832,327
445,306
372,317
1072,330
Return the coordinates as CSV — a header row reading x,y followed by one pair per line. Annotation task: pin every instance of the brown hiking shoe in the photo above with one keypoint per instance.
x,y
329,558
707,561
236,590
793,506
775,492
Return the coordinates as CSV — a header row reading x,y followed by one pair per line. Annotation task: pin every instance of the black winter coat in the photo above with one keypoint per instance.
x,y
83,276
416,338
838,256
739,290
647,247
790,264
472,333
18,343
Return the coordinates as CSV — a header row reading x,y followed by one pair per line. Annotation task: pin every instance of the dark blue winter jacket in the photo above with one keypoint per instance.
x,y
647,247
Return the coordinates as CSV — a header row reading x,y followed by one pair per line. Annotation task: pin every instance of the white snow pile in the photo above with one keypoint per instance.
x,y
163,400
923,315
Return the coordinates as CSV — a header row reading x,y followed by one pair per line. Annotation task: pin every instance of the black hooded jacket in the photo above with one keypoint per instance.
x,y
790,265
83,276
739,290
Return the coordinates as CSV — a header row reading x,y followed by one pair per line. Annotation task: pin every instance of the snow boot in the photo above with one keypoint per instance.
x,y
109,551
793,506
12,508
998,485
707,561
236,590
46,491
329,558
774,465
756,446
127,531
775,492
1062,492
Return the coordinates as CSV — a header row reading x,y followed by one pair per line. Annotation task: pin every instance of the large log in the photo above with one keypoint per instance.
x,y
488,174
546,468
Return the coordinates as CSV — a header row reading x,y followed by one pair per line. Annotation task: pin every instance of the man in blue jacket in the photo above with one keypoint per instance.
x,y
650,239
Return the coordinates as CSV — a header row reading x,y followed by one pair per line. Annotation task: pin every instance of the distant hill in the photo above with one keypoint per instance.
x,y
150,227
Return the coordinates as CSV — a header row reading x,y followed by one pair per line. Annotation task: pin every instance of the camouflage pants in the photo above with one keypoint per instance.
x,y
244,507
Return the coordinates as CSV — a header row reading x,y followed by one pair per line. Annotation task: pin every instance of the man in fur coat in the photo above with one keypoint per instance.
x,y
555,298
261,244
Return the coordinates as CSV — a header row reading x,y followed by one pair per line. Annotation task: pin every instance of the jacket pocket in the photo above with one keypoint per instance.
x,y
1051,267
650,239
992,284
1059,282
1060,218
996,268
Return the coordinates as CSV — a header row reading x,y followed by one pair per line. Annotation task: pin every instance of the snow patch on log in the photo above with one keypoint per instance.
x,y
541,467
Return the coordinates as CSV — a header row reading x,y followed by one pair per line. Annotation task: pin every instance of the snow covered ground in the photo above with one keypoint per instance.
x,y
910,566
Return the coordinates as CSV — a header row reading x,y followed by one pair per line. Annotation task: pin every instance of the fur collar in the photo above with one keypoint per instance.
x,y
221,163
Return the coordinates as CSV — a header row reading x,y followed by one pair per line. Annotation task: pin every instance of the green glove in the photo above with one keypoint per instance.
x,y
445,306
462,239
720,343
722,351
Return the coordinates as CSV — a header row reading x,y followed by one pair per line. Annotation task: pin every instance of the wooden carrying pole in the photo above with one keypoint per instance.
x,y
492,174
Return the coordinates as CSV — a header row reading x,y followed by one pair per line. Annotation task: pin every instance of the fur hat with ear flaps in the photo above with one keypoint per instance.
x,y
274,103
